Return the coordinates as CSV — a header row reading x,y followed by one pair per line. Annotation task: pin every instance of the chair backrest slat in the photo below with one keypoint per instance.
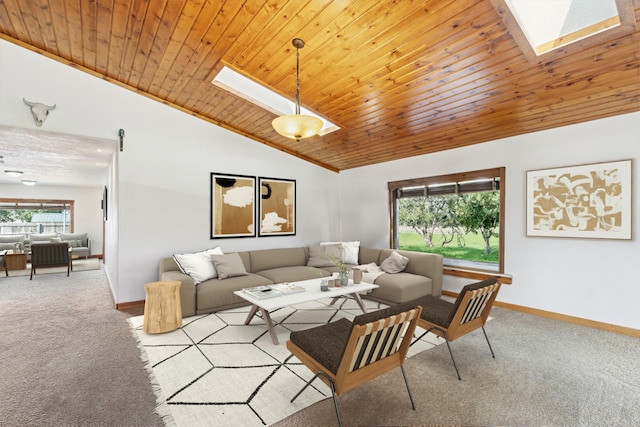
x,y
477,303
380,339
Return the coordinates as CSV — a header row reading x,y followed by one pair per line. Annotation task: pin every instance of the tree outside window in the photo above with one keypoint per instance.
x,y
458,216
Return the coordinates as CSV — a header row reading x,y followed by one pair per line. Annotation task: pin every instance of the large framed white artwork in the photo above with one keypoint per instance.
x,y
233,212
587,201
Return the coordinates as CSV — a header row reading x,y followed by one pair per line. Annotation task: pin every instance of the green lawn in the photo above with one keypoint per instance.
x,y
472,251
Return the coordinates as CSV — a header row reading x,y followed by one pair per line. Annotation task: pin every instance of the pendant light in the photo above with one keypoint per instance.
x,y
297,126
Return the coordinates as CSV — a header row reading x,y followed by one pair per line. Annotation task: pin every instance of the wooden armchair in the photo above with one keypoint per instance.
x,y
50,255
347,354
453,320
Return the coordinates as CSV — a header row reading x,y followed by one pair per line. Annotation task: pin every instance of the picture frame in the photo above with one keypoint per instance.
x,y
585,201
277,207
232,205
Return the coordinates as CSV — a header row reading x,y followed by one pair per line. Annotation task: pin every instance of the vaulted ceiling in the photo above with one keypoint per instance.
x,y
401,78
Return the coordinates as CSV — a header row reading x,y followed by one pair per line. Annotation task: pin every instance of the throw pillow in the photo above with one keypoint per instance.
x,y
74,236
395,263
199,265
350,251
324,255
229,265
58,240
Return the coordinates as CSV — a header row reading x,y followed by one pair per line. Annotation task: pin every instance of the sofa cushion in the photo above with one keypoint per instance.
x,y
395,263
324,255
350,251
199,266
13,239
214,294
401,287
229,265
293,274
267,259
42,237
75,236
7,246
368,256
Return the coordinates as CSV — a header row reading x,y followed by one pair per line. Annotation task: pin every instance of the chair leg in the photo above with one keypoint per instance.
x,y
413,405
487,338
448,346
419,338
333,392
452,359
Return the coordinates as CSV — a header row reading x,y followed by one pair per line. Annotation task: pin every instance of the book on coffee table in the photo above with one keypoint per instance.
x,y
287,288
262,292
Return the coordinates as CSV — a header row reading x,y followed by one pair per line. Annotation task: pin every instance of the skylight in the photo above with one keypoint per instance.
x,y
267,99
550,24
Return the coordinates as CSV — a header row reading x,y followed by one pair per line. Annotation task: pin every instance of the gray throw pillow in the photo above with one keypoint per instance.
x,y
395,263
324,255
229,265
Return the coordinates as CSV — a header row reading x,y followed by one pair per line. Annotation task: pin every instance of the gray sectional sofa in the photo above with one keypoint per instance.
x,y
421,276
79,242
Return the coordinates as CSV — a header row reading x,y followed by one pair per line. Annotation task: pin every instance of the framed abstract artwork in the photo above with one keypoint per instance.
x,y
277,207
232,206
588,201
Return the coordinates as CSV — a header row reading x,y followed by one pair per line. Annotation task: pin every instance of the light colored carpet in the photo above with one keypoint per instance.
x,y
78,265
67,357
216,371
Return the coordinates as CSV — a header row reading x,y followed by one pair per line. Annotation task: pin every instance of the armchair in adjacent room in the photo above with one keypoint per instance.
x,y
46,255
347,354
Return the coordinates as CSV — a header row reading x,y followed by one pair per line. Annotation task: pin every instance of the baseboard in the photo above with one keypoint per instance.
x,y
563,317
129,305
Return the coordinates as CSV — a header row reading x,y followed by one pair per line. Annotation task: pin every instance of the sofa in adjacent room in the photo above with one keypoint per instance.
x,y
79,242
210,277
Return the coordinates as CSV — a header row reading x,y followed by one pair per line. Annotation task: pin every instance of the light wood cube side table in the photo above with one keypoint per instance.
x,y
162,307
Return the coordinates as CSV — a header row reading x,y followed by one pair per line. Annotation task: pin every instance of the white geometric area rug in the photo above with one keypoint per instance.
x,y
217,371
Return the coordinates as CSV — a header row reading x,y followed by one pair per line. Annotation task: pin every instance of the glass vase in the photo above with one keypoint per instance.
x,y
343,276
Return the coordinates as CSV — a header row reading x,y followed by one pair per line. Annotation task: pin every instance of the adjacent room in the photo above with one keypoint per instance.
x,y
239,193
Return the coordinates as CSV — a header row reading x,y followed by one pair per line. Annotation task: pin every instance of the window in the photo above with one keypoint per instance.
x,y
247,89
30,216
460,216
541,27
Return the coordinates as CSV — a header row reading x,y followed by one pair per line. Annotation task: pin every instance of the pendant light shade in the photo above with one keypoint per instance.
x,y
297,126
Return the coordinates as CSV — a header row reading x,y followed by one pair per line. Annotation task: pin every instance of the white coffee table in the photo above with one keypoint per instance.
x,y
312,292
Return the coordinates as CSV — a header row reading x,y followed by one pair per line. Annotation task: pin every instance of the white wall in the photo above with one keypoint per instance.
x,y
159,187
87,212
587,278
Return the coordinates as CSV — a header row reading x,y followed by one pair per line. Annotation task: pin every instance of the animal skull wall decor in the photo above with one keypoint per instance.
x,y
39,111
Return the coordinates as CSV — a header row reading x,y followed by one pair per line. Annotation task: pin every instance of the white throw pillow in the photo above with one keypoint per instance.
x,y
350,251
198,266
395,263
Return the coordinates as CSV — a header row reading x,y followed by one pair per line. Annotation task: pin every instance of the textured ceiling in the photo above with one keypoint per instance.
x,y
53,158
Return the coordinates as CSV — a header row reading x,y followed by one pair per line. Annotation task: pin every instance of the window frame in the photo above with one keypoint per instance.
x,y
42,204
498,172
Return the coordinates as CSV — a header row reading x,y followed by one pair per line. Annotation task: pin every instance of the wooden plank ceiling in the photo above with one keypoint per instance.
x,y
401,78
